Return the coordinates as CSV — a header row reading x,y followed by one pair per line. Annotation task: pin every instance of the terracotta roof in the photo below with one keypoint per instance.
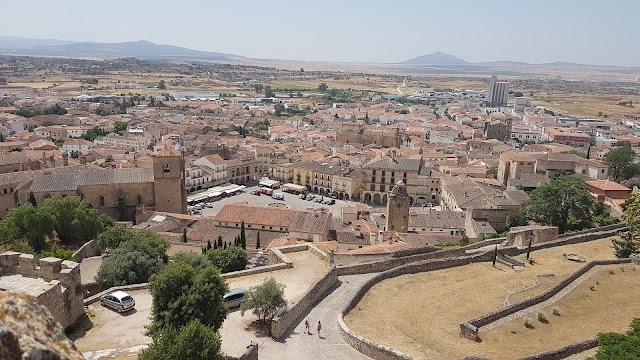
x,y
607,185
294,220
438,219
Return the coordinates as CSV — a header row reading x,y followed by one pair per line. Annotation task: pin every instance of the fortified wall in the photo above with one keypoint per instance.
x,y
54,282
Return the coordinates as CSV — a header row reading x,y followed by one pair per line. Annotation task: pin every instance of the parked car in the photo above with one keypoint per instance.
x,y
317,200
309,197
234,298
278,196
119,301
208,205
330,202
302,196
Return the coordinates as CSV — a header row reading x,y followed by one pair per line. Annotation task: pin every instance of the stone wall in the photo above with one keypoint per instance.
x,y
251,353
89,249
387,264
281,324
470,329
565,351
375,350
521,236
64,295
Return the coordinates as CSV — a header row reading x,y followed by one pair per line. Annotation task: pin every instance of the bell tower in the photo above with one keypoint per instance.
x,y
397,213
168,182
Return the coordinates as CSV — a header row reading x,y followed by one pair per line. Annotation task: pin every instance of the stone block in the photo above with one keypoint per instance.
x,y
27,264
536,234
9,259
50,268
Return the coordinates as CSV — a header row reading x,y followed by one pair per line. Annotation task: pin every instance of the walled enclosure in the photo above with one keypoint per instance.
x,y
64,293
446,259
535,234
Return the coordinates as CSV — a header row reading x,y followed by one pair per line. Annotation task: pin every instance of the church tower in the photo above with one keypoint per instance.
x,y
397,213
168,182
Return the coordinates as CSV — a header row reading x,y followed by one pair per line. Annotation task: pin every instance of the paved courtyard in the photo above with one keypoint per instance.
x,y
292,200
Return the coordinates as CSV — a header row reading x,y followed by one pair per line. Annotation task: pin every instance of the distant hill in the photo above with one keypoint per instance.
x,y
10,45
437,58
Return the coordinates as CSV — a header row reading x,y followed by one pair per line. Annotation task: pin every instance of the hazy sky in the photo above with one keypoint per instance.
x,y
583,31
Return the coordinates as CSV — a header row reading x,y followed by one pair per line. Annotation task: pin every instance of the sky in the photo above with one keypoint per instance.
x,y
603,32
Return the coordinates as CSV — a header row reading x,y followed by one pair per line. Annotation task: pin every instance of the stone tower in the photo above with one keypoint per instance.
x,y
397,213
168,180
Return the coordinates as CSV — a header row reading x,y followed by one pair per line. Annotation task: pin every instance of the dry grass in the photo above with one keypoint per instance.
x,y
588,105
419,314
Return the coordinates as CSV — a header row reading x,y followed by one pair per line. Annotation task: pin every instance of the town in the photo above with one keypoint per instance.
x,y
391,216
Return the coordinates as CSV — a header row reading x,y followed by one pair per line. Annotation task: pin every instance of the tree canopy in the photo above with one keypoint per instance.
x,y
264,300
564,202
620,162
26,222
75,220
194,341
139,254
182,293
613,346
230,259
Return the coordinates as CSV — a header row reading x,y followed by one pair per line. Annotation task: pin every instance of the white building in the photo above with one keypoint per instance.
x,y
78,145
498,92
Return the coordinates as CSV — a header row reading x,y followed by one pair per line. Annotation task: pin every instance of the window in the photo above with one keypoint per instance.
x,y
101,200
383,172
382,188
393,180
383,180
328,179
372,187
405,175
166,168
5,191
393,173
373,179
373,173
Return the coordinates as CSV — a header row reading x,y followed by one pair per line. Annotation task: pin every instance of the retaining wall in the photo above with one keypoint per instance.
x,y
564,351
470,329
283,322
251,353
384,265
89,249
378,351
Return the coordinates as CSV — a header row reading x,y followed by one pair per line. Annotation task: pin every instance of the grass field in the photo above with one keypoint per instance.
x,y
419,314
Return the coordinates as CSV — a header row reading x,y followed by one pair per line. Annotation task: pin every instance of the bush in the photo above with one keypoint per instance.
x,y
182,294
230,259
59,253
194,341
542,317
612,346
556,311
197,261
528,323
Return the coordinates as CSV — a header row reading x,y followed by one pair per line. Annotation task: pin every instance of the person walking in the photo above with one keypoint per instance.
x,y
319,328
306,326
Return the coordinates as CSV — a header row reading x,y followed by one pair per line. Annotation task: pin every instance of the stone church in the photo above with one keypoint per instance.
x,y
124,194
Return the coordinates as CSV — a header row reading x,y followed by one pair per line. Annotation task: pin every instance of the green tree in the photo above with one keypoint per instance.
x,y
114,236
517,218
32,199
26,222
612,346
259,88
627,245
268,92
120,126
258,240
184,236
620,162
194,341
162,85
264,300
76,219
219,241
140,254
198,261
243,236
323,87
228,259
182,293
564,202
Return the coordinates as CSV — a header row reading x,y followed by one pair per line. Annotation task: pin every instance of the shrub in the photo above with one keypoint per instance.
x,y
194,341
556,311
542,317
59,253
228,259
528,323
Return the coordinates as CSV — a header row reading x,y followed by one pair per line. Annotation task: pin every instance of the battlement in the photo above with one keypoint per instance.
x,y
54,282
48,269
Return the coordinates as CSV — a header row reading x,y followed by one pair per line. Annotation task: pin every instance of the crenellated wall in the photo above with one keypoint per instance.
x,y
63,297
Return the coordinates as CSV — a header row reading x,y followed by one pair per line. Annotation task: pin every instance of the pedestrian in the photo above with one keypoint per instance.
x,y
319,328
306,326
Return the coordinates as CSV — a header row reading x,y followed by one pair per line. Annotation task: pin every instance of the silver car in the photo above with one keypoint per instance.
x,y
119,301
234,298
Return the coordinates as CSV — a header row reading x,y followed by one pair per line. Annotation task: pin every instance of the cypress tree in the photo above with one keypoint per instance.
x,y
184,237
495,255
258,240
225,245
208,244
219,241
529,249
32,199
243,237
